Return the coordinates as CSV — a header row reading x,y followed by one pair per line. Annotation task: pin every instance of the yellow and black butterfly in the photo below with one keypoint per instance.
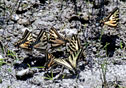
x,y
112,19
41,41
56,39
75,45
26,41
71,61
75,51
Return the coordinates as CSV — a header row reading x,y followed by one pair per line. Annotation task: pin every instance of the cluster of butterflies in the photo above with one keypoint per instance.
x,y
56,40
75,48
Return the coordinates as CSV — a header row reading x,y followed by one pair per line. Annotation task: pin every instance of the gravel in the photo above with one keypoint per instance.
x,y
35,15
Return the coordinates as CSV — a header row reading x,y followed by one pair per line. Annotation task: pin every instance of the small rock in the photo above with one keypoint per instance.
x,y
70,32
85,16
1,56
1,31
23,21
15,17
94,49
24,72
124,58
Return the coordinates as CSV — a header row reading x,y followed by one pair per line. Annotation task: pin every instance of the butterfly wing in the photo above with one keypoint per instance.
x,y
70,62
25,34
55,39
41,41
23,38
74,57
26,40
75,51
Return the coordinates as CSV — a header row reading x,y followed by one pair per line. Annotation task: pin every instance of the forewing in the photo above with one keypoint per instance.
x,y
74,57
64,62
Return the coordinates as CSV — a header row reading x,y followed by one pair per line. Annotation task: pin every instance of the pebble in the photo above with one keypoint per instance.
x,y
1,31
23,21
23,72
15,17
45,18
1,56
70,32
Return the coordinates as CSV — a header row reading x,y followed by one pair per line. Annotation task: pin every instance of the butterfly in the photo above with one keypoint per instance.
x,y
112,19
56,39
71,61
41,41
25,41
75,52
75,45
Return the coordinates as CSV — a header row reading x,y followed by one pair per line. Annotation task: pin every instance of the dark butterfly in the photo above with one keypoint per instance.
x,y
50,60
